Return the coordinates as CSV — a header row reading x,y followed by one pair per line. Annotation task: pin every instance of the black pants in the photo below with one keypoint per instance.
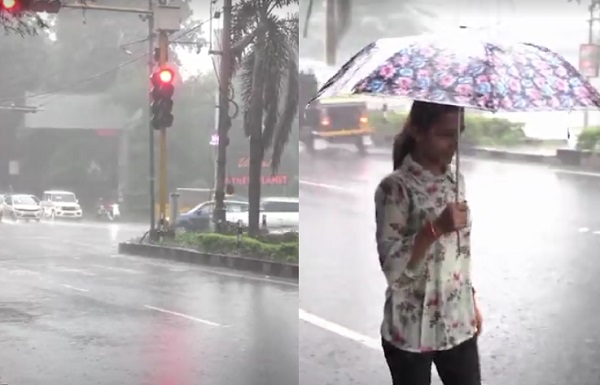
x,y
456,366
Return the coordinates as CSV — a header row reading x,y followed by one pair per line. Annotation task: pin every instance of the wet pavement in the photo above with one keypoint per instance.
x,y
536,238
73,312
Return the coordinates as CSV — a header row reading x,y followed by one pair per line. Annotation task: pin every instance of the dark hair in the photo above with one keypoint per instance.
x,y
421,117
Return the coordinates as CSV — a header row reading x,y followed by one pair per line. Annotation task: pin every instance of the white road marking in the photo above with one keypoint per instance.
x,y
584,229
118,269
573,172
340,330
77,271
597,232
74,288
195,319
323,185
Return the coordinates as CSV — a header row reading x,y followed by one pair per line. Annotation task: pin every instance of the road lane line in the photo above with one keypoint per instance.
x,y
340,330
323,185
189,317
118,269
74,288
70,270
574,172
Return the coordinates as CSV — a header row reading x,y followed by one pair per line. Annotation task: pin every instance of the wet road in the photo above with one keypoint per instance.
x,y
72,312
536,238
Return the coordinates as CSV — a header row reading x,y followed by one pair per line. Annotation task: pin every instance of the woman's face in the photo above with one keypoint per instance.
x,y
439,143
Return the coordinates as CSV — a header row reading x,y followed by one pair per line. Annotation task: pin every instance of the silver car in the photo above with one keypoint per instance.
x,y
21,207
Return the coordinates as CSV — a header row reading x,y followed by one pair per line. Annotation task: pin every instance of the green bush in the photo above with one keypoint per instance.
x,y
589,139
284,251
480,130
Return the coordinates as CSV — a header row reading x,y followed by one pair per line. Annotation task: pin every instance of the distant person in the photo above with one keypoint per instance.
x,y
430,313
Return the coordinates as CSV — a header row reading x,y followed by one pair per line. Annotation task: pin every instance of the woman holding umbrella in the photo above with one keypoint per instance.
x,y
423,226
430,314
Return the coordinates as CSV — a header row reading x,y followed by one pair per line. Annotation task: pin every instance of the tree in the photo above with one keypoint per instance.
x,y
268,71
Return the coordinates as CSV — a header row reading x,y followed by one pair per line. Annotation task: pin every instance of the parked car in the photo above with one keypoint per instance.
x,y
21,207
280,213
61,204
199,218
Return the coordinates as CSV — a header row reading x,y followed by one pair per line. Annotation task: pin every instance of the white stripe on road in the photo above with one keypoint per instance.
x,y
340,330
573,172
118,269
74,288
323,185
188,317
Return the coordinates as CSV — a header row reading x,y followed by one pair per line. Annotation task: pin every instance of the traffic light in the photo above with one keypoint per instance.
x,y
49,6
9,5
162,94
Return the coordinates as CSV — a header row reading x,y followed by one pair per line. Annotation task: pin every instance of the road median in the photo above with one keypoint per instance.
x,y
576,159
187,255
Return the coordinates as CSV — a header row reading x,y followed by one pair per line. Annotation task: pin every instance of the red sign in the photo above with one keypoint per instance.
x,y
589,58
265,180
245,163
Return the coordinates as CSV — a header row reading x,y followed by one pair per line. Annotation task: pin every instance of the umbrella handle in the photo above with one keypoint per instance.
x,y
457,176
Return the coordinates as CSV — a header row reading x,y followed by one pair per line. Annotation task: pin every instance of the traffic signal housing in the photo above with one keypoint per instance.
x,y
49,6
162,98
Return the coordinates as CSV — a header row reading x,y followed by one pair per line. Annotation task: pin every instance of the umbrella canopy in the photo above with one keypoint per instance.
x,y
462,70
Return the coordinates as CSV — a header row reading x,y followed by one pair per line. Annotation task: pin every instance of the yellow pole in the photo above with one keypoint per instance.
x,y
163,45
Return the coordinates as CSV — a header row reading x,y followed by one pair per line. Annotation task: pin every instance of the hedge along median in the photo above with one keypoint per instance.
x,y
480,130
273,248
274,254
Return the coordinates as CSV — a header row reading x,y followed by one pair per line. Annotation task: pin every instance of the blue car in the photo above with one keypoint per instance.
x,y
199,218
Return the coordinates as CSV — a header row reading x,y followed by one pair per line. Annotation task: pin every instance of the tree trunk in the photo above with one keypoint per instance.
x,y
254,185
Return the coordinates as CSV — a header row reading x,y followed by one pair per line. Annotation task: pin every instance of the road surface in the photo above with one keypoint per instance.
x,y
536,238
72,312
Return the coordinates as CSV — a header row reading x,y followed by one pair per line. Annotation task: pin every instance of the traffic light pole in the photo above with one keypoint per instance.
x,y
163,46
151,160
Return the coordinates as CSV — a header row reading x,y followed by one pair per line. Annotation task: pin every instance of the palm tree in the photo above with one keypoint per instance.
x,y
268,71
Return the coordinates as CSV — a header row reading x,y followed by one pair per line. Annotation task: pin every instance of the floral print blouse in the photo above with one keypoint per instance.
x,y
431,306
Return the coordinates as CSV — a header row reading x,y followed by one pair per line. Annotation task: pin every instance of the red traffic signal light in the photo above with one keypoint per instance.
x,y
8,5
166,76
49,6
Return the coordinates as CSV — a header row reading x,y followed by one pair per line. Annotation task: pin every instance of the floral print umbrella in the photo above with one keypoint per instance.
x,y
464,71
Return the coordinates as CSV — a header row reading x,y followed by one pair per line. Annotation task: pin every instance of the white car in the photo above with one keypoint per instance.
x,y
21,207
58,204
280,213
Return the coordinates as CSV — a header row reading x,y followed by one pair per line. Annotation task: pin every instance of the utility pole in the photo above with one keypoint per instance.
x,y
224,119
330,33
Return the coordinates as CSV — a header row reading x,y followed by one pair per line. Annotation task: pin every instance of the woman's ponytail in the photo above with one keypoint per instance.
x,y
404,144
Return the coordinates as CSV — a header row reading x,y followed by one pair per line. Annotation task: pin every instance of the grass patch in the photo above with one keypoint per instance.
x,y
277,247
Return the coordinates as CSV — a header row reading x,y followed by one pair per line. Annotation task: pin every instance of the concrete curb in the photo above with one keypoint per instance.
x,y
255,265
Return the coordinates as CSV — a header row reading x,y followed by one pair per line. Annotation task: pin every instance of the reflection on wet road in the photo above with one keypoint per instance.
x,y
72,312
535,240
